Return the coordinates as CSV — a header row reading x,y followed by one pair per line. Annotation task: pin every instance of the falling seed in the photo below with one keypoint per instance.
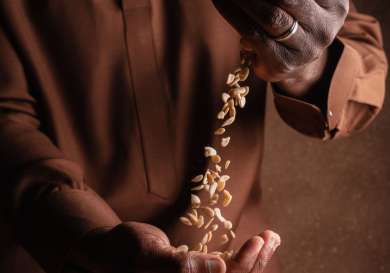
x,y
218,168
228,224
230,79
225,97
195,201
224,239
220,131
221,115
225,141
213,188
232,234
229,121
186,221
200,222
204,250
206,226
227,198
205,239
221,185
216,159
242,102
209,151
227,164
182,248
193,218
197,178
219,216
225,177
209,211
198,188
210,236
198,247
214,227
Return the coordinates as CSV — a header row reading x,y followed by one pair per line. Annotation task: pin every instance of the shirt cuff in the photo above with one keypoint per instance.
x,y
310,119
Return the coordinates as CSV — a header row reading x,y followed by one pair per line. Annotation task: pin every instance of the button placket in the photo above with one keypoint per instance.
x,y
150,99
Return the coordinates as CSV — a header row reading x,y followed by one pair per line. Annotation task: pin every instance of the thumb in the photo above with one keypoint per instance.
x,y
195,262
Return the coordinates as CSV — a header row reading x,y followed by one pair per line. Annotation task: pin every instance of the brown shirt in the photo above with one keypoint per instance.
x,y
106,105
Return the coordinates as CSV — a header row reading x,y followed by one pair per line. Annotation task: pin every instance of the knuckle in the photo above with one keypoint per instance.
x,y
277,19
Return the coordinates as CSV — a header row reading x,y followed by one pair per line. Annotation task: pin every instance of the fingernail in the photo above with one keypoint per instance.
x,y
212,266
274,243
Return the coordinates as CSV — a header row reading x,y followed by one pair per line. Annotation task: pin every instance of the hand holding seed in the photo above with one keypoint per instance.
x,y
296,63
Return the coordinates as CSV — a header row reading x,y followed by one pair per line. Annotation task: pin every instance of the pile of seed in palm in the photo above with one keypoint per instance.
x,y
205,212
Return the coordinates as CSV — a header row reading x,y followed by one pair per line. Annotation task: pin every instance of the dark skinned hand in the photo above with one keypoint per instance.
x,y
142,248
297,64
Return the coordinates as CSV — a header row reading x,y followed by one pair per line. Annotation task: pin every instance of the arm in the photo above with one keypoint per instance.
x,y
50,206
349,92
328,78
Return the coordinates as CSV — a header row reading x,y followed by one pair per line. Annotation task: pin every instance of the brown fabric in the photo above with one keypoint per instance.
x,y
120,97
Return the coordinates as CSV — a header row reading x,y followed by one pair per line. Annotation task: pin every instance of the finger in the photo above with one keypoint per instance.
x,y
273,20
271,242
246,257
195,262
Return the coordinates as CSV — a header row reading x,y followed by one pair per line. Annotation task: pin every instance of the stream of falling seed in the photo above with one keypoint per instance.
x,y
205,214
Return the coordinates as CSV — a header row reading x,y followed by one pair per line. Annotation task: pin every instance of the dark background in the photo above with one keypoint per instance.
x,y
331,201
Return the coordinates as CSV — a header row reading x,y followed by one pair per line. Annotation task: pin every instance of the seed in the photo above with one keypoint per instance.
x,y
207,187
232,234
209,211
209,151
219,216
215,197
198,247
182,248
228,224
205,239
230,79
227,164
204,250
193,218
227,198
210,178
245,92
221,115
221,185
213,188
194,212
197,178
232,112
242,102
213,202
231,103
224,239
195,201
206,226
185,221
216,159
225,177
225,141
218,168
220,131
198,188
210,236
229,121
225,97
214,227
244,74
200,222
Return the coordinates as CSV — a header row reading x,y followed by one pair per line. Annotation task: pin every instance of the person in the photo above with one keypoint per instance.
x,y
106,105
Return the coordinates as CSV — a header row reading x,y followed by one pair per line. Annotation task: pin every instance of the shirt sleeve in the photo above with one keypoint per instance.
x,y
356,90
43,192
